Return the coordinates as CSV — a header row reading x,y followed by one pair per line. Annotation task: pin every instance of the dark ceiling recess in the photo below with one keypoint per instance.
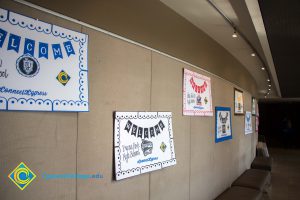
x,y
282,22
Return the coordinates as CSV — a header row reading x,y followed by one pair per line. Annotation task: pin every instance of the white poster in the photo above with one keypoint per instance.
x,y
253,106
197,99
223,124
248,122
43,67
143,142
256,123
238,102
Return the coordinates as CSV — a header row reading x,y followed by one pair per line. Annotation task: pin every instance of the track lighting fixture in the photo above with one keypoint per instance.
x,y
234,35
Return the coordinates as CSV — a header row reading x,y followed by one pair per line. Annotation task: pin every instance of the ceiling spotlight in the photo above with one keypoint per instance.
x,y
253,54
234,35
268,80
269,89
262,68
269,85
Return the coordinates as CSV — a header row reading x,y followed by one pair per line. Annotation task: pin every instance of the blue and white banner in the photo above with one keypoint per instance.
x,y
143,142
43,67
223,129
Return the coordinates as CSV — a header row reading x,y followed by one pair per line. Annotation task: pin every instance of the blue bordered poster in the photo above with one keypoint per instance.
x,y
143,142
43,67
248,122
223,124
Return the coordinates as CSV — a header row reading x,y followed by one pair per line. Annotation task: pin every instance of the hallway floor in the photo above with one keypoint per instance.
x,y
285,174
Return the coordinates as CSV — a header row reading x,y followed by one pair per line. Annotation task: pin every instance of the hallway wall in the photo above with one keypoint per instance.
x,y
123,77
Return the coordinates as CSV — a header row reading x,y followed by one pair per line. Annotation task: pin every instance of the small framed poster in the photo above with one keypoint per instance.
x,y
223,124
143,142
197,99
248,122
253,106
238,102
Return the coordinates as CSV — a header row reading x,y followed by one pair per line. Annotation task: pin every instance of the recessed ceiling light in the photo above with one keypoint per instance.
x,y
252,54
268,80
234,35
262,68
269,85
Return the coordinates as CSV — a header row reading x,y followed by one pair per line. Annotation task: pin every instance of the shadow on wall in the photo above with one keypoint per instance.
x,y
279,122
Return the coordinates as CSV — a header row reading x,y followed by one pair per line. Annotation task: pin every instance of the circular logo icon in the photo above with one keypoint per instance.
x,y
28,66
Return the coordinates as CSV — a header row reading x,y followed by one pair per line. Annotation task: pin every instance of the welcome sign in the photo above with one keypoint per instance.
x,y
43,67
196,94
143,142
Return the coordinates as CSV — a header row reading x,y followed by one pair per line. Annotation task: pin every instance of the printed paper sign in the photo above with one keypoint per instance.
x,y
223,124
256,123
43,67
253,106
238,102
248,122
196,94
143,142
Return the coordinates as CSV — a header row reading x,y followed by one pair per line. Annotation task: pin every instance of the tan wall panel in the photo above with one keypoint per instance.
x,y
45,142
119,77
210,161
172,182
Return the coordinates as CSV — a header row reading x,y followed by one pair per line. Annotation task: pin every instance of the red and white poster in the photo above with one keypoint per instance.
x,y
197,99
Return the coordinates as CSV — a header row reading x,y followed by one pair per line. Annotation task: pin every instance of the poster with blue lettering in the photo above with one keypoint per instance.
x,y
197,99
43,67
248,122
143,142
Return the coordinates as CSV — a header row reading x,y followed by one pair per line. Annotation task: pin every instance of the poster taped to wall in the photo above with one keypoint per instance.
x,y
43,67
223,124
143,142
253,106
197,99
256,123
238,102
248,122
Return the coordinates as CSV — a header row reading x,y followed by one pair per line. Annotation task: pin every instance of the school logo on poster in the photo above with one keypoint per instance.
x,y
45,65
143,142
28,66
196,94
22,176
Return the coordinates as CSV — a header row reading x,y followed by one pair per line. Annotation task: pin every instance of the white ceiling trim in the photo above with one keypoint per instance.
x,y
257,20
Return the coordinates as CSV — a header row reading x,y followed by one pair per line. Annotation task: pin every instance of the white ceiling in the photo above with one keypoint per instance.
x,y
249,22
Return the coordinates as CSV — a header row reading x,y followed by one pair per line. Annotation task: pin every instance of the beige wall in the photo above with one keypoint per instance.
x,y
123,77
152,23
